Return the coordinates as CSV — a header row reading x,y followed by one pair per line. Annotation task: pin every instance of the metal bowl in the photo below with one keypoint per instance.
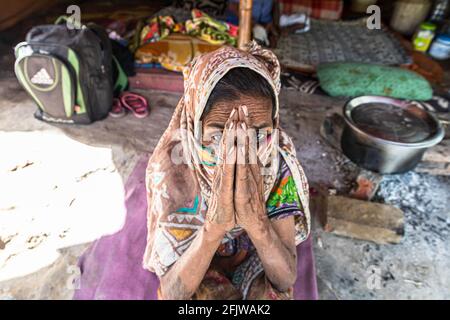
x,y
388,135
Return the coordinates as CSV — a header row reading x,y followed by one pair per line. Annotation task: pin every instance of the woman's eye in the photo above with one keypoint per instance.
x,y
216,137
261,134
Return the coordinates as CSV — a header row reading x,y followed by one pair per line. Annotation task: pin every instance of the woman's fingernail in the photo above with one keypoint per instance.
x,y
232,113
231,126
231,150
244,109
243,125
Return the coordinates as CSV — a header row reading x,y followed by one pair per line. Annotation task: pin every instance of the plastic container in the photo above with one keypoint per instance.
x,y
440,49
408,14
423,37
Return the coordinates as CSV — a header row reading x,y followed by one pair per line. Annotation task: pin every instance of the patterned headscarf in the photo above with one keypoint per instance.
x,y
178,182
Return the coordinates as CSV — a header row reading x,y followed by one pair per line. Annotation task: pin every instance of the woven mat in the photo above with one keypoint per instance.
x,y
349,41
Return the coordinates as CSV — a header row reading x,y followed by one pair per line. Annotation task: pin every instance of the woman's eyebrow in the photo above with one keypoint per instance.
x,y
218,125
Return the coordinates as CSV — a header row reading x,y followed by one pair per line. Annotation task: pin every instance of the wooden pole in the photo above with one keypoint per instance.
x,y
245,22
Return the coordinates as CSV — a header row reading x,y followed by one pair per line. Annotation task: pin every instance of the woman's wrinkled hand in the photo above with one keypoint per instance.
x,y
249,186
221,210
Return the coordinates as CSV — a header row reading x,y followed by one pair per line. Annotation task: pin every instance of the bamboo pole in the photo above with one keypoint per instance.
x,y
245,22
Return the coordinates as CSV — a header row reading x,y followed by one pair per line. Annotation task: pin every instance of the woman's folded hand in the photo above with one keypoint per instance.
x,y
221,210
249,186
237,190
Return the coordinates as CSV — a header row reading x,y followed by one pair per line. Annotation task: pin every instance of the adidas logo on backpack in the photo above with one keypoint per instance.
x,y
42,77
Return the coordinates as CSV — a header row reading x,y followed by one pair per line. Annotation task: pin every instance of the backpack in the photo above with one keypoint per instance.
x,y
68,72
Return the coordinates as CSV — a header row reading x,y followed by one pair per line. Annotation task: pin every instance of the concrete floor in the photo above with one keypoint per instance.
x,y
64,189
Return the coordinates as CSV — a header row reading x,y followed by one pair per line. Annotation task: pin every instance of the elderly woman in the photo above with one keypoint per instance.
x,y
227,199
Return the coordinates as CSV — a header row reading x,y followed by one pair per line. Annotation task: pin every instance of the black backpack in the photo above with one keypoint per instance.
x,y
67,72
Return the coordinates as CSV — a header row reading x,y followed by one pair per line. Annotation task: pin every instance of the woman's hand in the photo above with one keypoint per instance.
x,y
249,187
221,210
185,276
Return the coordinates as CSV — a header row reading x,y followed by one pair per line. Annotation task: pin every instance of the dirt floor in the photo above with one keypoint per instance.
x,y
62,188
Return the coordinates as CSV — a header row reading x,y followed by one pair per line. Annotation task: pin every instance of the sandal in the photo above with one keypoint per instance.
x,y
136,103
117,110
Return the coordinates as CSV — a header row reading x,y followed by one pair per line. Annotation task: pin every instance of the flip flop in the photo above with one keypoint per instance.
x,y
117,110
136,103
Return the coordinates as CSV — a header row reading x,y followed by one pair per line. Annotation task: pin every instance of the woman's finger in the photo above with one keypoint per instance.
x,y
234,115
241,132
224,142
228,166
222,148
244,185
252,135
229,153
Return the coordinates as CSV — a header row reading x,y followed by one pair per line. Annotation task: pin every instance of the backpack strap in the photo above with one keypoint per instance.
x,y
121,81
65,19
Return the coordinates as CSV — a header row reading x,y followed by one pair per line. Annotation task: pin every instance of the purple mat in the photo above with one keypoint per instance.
x,y
111,268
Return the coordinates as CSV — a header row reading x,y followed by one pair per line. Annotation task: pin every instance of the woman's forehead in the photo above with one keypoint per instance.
x,y
259,109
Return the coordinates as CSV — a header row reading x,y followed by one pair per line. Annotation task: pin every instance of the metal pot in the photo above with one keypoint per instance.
x,y
388,135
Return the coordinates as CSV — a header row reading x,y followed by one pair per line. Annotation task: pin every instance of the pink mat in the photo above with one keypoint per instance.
x,y
111,267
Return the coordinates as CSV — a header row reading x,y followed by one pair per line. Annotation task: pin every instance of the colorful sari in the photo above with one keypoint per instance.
x,y
179,191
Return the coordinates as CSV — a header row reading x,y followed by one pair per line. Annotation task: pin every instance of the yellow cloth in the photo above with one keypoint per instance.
x,y
174,52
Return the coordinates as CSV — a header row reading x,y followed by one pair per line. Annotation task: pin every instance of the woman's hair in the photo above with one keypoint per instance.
x,y
240,82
